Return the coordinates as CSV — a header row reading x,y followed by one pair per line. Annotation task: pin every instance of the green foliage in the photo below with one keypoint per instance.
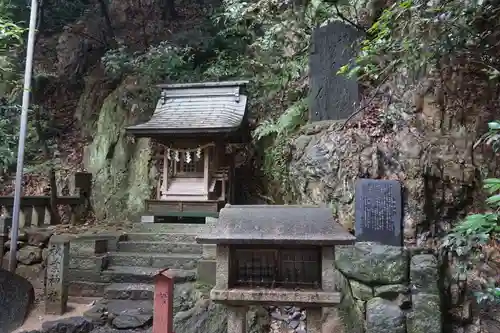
x,y
58,13
274,40
279,133
159,63
412,38
10,40
9,130
467,239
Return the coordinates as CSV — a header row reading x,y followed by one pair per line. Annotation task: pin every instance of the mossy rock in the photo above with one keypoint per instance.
x,y
122,175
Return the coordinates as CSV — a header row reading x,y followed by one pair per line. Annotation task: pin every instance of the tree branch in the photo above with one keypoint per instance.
x,y
366,104
344,18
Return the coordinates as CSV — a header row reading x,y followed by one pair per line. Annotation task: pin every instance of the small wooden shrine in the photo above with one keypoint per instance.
x,y
275,255
197,124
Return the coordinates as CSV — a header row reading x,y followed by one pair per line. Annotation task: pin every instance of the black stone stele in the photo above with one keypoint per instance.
x,y
379,211
333,97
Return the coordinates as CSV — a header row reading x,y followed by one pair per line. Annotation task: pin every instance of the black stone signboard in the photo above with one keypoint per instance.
x,y
379,211
332,96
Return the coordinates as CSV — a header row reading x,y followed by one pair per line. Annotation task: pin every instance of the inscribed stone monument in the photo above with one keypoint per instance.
x,y
379,211
332,96
56,288
16,298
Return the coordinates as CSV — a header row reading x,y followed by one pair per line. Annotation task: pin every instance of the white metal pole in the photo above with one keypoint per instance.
x,y
14,233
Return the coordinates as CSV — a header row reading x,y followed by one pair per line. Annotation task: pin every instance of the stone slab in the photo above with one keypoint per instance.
x,y
209,251
379,211
16,299
372,263
424,273
332,96
237,296
207,271
163,237
88,275
177,261
159,247
169,228
122,274
72,324
93,263
277,224
5,224
130,291
426,315
86,289
384,316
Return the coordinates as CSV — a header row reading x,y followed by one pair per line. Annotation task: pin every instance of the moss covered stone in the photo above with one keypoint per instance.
x,y
424,274
361,291
390,291
372,263
119,164
383,316
426,316
351,314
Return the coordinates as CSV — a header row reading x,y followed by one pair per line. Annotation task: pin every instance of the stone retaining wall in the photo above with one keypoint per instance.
x,y
388,289
31,252
87,258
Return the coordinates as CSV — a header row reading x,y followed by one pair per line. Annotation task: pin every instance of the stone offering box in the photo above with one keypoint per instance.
x,y
278,255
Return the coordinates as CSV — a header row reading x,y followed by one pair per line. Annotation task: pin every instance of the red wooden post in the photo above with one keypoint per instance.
x,y
163,315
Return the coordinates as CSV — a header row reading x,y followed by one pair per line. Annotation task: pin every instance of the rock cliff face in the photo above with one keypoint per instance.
x,y
439,172
123,178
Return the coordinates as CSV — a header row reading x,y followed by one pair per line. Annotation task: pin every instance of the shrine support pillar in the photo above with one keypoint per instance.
x,y
237,319
165,172
206,164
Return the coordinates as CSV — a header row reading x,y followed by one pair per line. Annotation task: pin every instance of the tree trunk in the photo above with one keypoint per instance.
x,y
109,26
169,11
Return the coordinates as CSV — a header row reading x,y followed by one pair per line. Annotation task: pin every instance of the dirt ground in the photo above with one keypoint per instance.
x,y
76,307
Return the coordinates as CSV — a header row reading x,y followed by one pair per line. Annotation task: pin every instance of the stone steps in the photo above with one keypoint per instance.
x,y
154,260
87,262
163,237
190,228
159,247
87,288
129,261
131,291
131,274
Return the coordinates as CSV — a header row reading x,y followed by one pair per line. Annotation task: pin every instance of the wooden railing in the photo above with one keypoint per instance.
x,y
37,210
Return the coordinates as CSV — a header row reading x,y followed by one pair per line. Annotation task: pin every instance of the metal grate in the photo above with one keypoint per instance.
x,y
290,268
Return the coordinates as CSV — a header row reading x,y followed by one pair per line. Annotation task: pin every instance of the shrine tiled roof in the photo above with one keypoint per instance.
x,y
197,107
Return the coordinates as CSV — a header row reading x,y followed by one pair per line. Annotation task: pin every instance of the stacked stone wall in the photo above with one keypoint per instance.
x,y
32,251
388,289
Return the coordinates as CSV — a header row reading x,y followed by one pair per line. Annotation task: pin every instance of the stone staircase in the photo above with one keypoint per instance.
x,y
122,266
